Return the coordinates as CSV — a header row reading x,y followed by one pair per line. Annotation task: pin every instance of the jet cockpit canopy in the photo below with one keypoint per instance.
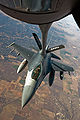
x,y
36,72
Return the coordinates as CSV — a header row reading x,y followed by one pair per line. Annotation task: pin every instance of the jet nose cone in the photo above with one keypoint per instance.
x,y
28,92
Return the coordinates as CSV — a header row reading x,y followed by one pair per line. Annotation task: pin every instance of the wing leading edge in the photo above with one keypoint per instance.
x,y
26,53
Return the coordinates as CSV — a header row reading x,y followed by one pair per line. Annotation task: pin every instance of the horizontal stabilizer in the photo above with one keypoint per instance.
x,y
58,66
37,41
55,48
55,56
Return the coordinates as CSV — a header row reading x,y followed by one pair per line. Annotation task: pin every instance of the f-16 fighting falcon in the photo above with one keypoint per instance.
x,y
42,13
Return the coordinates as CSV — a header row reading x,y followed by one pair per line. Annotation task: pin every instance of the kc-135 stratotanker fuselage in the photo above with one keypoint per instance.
x,y
42,13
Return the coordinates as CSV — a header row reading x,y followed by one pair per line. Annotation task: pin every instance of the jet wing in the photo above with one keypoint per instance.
x,y
26,53
58,66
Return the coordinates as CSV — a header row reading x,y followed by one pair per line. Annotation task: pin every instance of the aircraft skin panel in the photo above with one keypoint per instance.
x,y
57,66
26,53
58,10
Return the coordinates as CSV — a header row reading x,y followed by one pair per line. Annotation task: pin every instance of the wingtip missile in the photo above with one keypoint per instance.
x,y
12,50
10,45
18,54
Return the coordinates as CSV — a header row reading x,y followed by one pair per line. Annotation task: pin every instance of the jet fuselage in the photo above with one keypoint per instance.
x,y
38,68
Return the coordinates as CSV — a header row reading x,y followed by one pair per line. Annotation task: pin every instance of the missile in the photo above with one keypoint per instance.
x,y
18,54
12,50
10,45
22,66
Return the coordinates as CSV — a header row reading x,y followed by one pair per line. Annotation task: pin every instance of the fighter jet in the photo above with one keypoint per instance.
x,y
39,66
42,13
